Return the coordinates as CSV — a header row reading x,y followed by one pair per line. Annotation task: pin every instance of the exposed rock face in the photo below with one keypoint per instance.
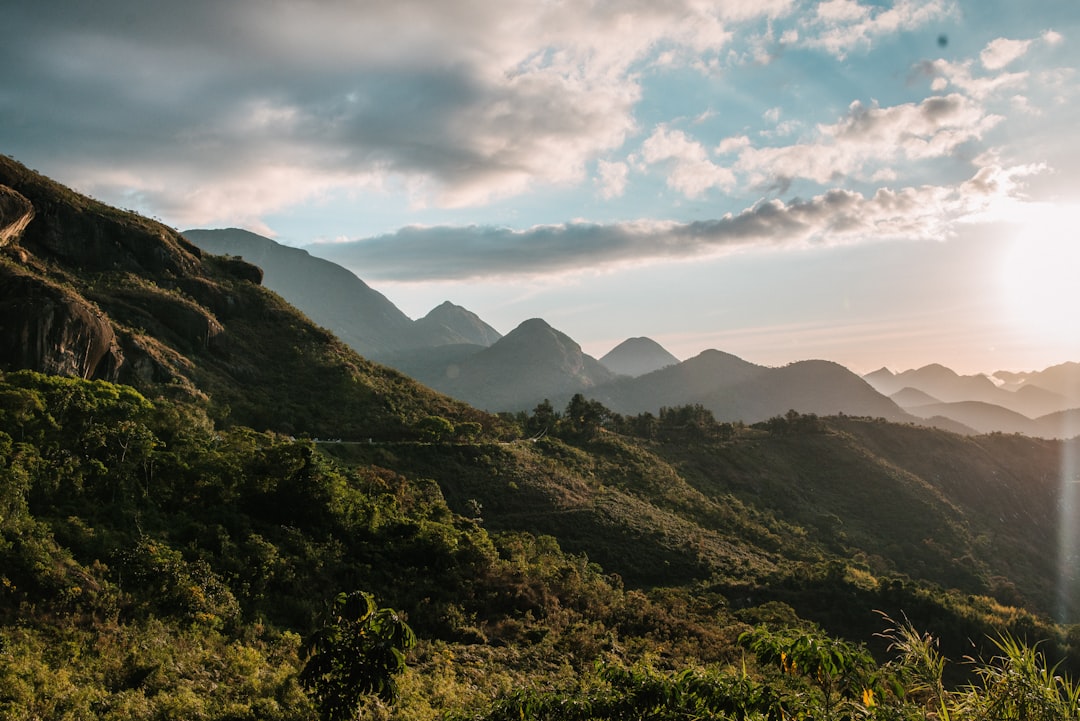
x,y
15,213
45,327
80,232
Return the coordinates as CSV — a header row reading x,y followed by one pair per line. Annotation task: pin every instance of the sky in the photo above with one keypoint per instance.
x,y
870,182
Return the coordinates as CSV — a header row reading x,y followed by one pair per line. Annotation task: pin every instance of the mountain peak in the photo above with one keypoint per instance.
x,y
532,362
450,324
533,325
637,356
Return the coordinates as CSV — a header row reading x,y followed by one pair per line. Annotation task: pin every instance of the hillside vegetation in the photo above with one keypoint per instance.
x,y
154,563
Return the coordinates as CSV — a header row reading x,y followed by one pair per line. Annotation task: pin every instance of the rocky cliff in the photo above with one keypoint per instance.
x,y
63,255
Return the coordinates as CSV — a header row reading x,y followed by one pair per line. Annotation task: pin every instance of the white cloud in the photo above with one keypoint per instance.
x,y
733,144
842,11
960,76
868,136
1002,51
612,180
690,172
841,26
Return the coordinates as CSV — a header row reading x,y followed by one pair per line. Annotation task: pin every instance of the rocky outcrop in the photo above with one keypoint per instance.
x,y
46,327
15,213
80,232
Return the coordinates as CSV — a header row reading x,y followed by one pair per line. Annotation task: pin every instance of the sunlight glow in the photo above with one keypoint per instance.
x,y
1039,273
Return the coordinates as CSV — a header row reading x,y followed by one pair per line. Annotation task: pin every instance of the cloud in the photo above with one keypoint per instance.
x,y
612,178
997,55
691,171
855,145
1002,51
842,26
836,217
457,103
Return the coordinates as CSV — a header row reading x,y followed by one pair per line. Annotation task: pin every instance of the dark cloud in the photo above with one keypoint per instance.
x,y
835,217
173,94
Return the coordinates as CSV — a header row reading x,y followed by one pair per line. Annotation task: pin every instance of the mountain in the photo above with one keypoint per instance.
x,y
982,417
908,397
338,300
683,384
1063,424
532,362
736,390
449,324
330,295
937,381
94,292
636,357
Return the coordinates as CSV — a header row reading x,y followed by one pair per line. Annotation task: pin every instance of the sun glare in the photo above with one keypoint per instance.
x,y
1041,274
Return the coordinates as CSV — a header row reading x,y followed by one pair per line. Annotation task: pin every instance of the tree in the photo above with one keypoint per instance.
x,y
468,431
585,416
357,653
435,429
543,418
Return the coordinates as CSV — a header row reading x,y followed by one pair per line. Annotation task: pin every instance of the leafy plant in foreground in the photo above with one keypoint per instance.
x,y
842,671
359,652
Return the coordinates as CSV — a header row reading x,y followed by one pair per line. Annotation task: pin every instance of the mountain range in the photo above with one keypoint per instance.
x,y
455,352
1039,403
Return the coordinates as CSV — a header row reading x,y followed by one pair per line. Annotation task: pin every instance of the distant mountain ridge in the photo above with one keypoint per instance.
x,y
737,390
1018,405
947,386
1062,379
336,298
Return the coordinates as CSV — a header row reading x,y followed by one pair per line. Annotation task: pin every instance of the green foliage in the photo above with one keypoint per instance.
x,y
619,693
358,652
583,418
841,671
130,524
1019,685
435,429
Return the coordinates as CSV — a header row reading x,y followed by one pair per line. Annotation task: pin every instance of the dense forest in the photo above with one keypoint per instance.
x,y
157,565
